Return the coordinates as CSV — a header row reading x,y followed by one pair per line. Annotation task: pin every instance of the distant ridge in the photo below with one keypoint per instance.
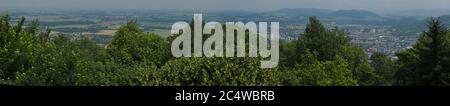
x,y
445,20
445,16
303,12
324,12
422,13
354,13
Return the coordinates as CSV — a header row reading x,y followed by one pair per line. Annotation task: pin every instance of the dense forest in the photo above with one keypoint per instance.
x,y
31,56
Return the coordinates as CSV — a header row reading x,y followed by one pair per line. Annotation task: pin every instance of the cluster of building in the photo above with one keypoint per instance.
x,y
379,39
372,38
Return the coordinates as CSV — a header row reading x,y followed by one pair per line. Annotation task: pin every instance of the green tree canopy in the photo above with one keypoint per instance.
x,y
317,43
130,45
427,63
384,68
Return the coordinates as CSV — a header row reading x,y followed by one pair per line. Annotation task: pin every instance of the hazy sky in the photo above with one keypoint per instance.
x,y
373,5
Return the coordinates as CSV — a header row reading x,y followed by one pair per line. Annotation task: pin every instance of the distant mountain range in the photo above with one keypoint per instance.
x,y
411,20
417,13
324,13
300,15
446,20
354,14
302,12
421,13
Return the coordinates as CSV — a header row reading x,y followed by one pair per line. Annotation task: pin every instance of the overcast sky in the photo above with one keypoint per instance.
x,y
260,5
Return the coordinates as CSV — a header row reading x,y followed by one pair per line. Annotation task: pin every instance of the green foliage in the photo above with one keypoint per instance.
x,y
326,43
110,74
31,57
328,73
320,57
218,72
384,68
358,63
15,48
52,63
130,45
288,57
317,45
427,62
